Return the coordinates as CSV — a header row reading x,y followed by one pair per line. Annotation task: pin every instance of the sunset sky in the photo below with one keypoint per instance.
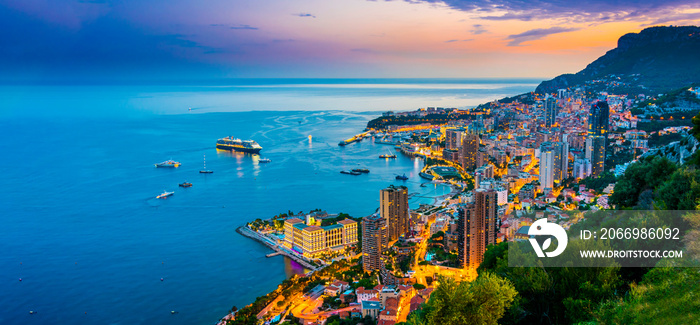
x,y
152,39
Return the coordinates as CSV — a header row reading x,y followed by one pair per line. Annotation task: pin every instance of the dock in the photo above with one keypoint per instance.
x,y
273,254
247,232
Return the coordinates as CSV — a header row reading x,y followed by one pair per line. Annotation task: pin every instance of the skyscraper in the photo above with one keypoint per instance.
x,y
453,138
470,237
546,170
394,209
599,118
486,202
595,153
468,152
565,156
476,228
550,111
551,163
374,242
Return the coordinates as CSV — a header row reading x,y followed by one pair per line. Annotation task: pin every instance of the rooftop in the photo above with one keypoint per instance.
x,y
371,305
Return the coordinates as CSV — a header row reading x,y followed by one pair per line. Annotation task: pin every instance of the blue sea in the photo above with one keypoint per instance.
x,y
80,225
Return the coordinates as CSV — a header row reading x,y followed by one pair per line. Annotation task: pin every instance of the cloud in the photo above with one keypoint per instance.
x,y
364,50
459,40
478,29
238,26
304,15
244,27
535,34
580,11
695,16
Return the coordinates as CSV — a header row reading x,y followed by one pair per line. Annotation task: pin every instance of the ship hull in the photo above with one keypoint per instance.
x,y
247,150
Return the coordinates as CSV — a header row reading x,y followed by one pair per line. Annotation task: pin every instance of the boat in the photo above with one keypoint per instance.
x,y
185,184
168,164
388,156
402,177
265,160
205,170
350,172
165,195
233,144
361,170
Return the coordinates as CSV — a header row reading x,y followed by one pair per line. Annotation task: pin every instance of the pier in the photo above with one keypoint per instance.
x,y
247,232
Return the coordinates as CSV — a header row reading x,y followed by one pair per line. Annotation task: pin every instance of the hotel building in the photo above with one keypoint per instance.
x,y
311,240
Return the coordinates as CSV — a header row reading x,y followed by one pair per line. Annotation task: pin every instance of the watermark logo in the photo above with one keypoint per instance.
x,y
542,227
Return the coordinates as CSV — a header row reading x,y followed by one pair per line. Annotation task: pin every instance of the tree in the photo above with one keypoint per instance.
x,y
645,174
483,301
680,191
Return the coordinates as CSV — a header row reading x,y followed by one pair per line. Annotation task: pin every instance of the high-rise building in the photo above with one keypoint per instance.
x,y
599,118
546,170
595,153
393,202
565,156
374,241
453,138
470,237
469,150
486,202
551,163
550,111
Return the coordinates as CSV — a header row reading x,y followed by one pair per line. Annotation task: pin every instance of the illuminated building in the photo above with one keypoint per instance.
x,y
595,153
468,152
476,228
453,138
551,164
374,241
310,240
599,118
470,237
550,111
486,202
393,202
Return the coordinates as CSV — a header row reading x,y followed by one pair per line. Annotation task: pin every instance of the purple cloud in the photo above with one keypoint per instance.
x,y
305,15
478,29
535,34
592,10
239,26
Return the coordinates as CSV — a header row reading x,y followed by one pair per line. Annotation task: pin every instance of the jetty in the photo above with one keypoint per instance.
x,y
247,232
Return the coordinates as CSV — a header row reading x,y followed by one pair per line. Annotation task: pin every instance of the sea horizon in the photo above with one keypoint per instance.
x,y
352,95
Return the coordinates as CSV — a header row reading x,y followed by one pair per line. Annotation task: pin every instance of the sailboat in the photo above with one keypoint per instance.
x,y
205,170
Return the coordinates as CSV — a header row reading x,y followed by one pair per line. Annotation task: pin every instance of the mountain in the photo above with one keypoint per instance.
x,y
658,58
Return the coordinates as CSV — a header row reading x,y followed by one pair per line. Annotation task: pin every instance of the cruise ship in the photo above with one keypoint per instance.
x,y
231,143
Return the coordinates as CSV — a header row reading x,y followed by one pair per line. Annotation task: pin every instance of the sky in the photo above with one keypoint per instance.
x,y
199,39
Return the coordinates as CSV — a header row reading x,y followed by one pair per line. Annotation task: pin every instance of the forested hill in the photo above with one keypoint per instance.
x,y
659,58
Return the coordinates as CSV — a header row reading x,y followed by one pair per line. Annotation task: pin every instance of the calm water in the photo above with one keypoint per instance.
x,y
81,227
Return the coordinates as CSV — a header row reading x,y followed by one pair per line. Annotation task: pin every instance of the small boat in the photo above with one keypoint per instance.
x,y
350,172
361,170
185,184
168,164
387,156
165,195
205,170
402,177
265,160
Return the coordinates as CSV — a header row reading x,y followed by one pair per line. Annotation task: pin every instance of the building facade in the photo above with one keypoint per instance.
x,y
374,242
469,151
311,240
393,202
